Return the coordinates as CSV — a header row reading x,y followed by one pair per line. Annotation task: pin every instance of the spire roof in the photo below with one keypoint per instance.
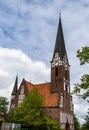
x,y
15,86
60,43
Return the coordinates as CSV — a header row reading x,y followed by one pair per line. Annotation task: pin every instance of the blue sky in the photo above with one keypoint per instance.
x,y
27,37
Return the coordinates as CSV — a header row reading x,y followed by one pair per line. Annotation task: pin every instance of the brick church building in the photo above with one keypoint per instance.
x,y
57,92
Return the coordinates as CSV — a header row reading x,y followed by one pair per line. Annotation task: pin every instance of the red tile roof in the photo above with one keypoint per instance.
x,y
50,100
29,85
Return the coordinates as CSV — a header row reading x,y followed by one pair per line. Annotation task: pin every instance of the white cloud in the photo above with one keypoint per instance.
x,y
30,26
80,108
13,62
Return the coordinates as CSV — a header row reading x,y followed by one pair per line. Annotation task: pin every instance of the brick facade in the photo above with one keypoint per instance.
x,y
56,93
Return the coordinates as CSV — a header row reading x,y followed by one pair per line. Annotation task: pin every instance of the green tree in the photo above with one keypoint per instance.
x,y
31,113
29,110
3,106
85,126
76,123
82,89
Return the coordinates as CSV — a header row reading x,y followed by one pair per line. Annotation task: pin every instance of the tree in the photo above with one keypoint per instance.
x,y
76,123
83,55
85,126
82,89
29,110
31,113
3,106
3,109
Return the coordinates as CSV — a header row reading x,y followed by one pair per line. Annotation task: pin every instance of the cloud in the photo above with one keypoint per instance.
x,y
13,62
80,108
27,37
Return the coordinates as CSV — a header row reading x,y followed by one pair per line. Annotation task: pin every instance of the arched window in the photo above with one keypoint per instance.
x,y
66,87
61,100
66,74
56,72
67,127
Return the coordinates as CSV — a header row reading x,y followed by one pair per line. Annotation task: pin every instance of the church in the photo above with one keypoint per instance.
x,y
56,93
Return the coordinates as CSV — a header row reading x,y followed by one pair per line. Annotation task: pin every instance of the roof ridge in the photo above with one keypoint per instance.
x,y
42,83
37,83
28,82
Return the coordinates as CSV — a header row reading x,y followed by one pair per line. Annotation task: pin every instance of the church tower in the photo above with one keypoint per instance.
x,y
57,97
59,64
60,80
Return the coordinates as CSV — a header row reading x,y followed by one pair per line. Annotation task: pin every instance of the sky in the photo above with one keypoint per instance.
x,y
28,31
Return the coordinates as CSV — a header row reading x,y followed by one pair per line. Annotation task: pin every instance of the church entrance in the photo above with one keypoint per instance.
x,y
67,127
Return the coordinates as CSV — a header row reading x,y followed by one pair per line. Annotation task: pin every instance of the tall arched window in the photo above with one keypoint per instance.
x,y
56,72
66,74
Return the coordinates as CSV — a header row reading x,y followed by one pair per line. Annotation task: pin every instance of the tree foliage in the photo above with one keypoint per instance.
x,y
31,113
76,123
3,106
29,110
82,89
85,126
83,55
